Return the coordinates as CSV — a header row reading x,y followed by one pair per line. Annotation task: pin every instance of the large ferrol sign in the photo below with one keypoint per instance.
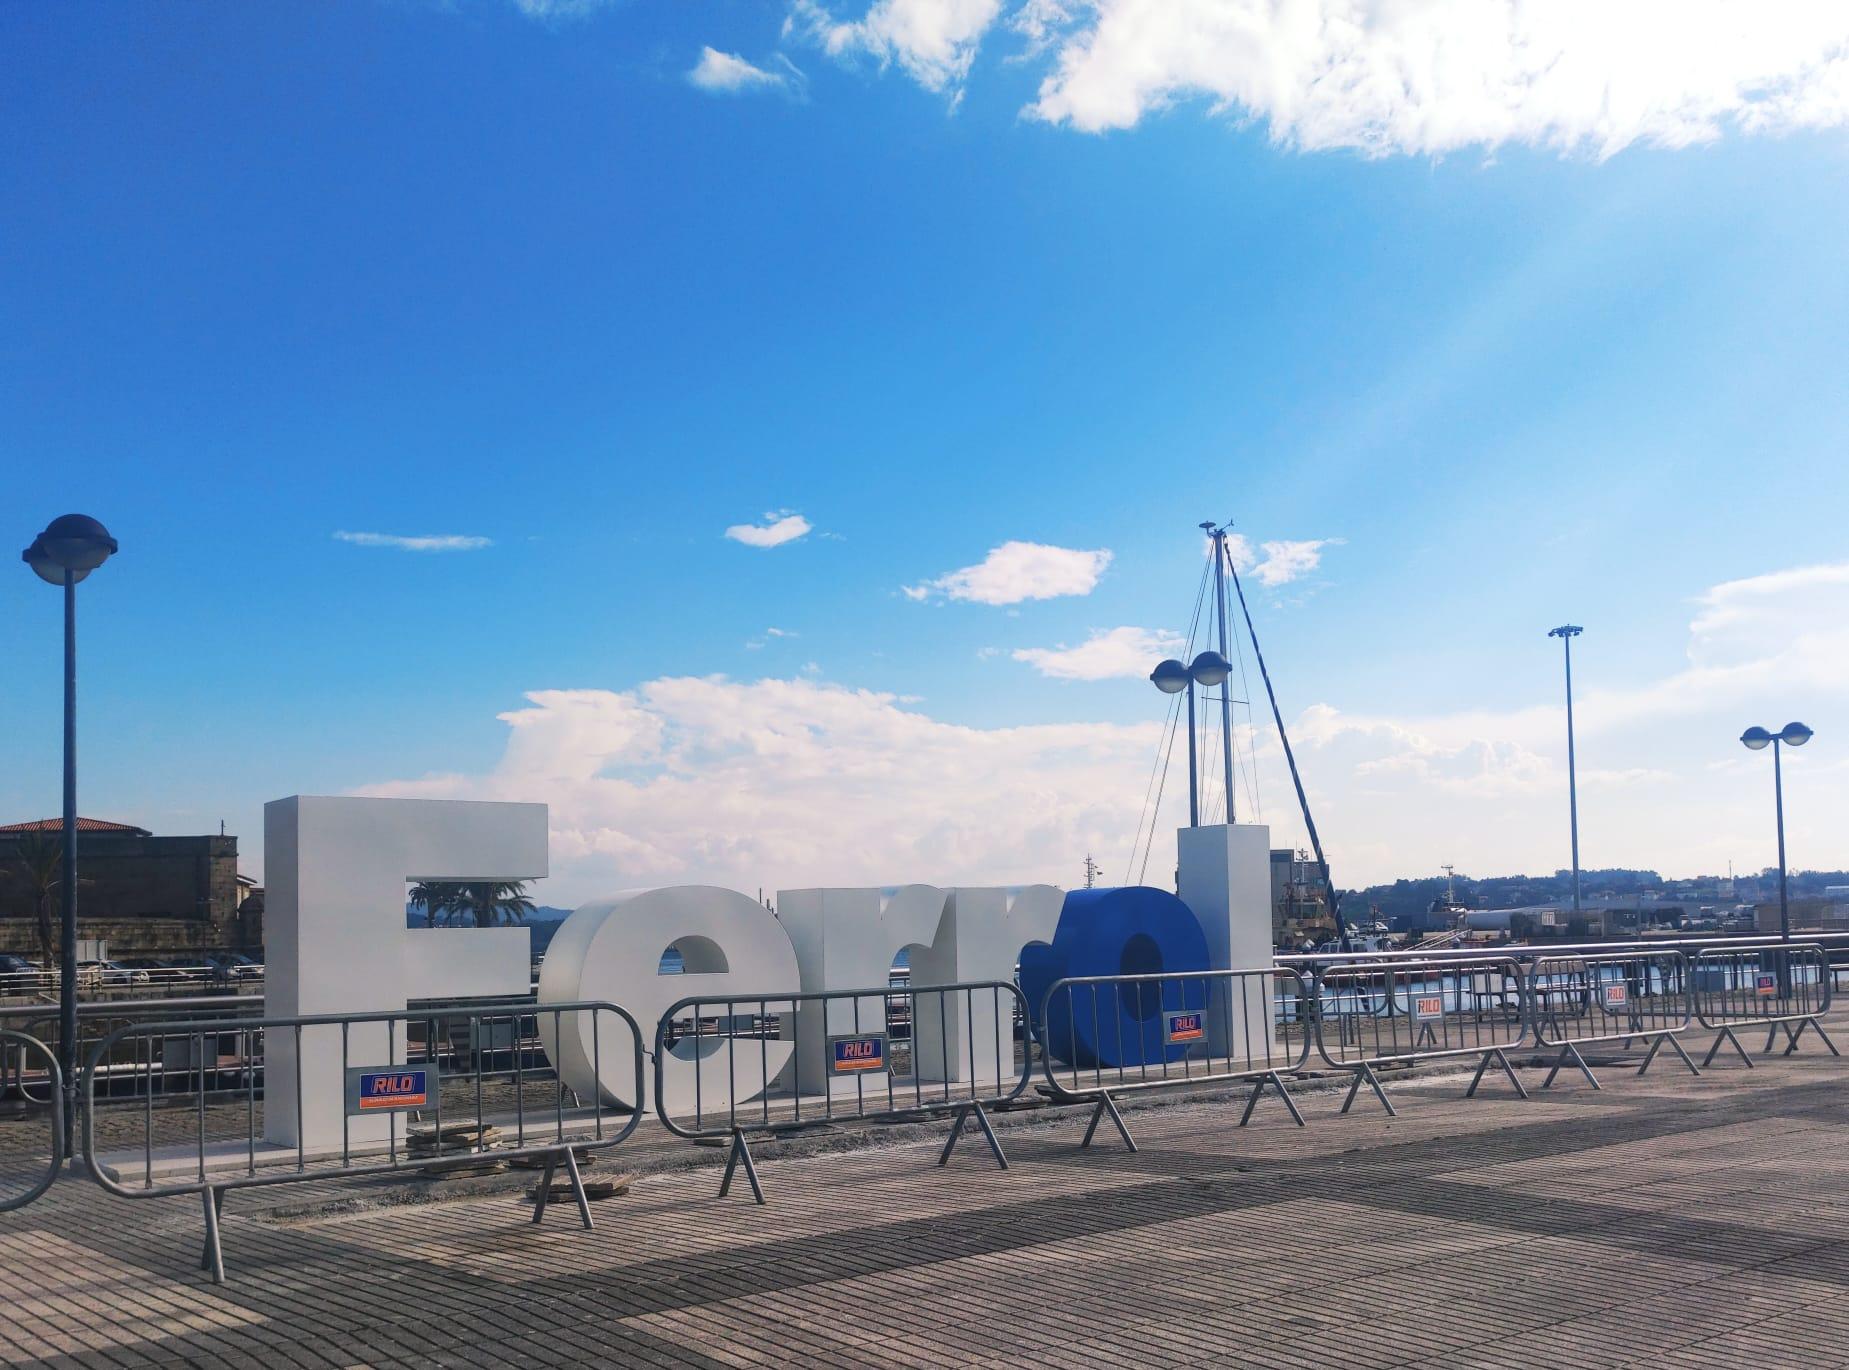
x,y
338,945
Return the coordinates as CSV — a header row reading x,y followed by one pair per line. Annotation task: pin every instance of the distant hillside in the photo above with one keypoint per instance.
x,y
414,918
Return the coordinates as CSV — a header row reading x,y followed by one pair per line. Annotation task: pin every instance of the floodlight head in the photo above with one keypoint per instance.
x,y
1210,669
1566,630
1170,676
1795,735
1756,739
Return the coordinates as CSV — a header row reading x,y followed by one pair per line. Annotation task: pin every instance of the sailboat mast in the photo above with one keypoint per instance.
x,y
1226,686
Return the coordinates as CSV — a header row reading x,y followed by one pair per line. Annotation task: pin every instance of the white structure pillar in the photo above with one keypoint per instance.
x,y
1225,878
336,941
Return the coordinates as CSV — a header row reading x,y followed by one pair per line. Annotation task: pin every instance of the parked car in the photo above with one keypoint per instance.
x,y
238,966
18,975
194,968
115,973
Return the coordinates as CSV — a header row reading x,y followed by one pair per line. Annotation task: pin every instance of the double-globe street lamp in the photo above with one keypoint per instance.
x,y
1756,739
68,550
1171,677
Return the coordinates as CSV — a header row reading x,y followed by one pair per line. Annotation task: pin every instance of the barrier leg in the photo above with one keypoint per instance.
x,y
1106,1107
1569,1052
545,1188
1496,1055
1270,1079
1728,1037
1676,1047
963,1115
1772,1038
213,1256
1817,1028
1366,1072
577,1190
740,1152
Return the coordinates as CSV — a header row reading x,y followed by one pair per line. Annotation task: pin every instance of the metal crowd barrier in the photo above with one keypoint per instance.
x,y
764,1064
1102,1035
1622,997
99,1019
1772,987
22,1046
1371,1013
203,1119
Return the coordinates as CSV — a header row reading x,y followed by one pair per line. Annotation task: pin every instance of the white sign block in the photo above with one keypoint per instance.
x,y
335,939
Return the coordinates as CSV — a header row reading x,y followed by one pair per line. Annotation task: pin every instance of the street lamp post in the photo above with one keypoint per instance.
x,y
68,550
1171,677
1566,632
1756,739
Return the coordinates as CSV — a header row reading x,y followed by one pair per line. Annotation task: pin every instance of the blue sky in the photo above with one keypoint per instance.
x,y
937,280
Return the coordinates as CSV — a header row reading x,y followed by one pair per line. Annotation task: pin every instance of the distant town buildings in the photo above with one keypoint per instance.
x,y
137,892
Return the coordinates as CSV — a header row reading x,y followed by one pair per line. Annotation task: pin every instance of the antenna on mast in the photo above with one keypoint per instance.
x,y
1091,871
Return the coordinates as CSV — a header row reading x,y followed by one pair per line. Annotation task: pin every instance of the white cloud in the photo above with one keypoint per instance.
x,y
560,9
428,542
1423,77
1664,783
1433,76
787,782
726,73
1277,563
1017,571
1108,654
779,526
1288,561
934,41
794,782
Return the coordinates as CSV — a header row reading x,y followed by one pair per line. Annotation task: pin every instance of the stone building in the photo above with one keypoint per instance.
x,y
140,893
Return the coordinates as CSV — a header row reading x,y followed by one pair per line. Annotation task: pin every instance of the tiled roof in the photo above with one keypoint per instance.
x,y
83,825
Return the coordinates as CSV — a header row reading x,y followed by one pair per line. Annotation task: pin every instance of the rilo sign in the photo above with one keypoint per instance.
x,y
387,1089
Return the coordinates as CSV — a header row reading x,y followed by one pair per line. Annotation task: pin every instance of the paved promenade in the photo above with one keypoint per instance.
x,y
1667,1221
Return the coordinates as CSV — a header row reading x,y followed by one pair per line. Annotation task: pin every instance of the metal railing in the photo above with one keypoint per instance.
x,y
1103,1035
1370,1013
31,1180
762,1064
1619,997
1785,986
99,1019
476,1090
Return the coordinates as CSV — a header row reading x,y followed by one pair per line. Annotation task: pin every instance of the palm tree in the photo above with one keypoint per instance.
x,y
496,901
43,856
439,900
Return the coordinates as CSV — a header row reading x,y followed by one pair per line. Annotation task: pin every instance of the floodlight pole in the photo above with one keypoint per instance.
x,y
1566,633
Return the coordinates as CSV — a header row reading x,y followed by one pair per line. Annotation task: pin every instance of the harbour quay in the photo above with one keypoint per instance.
x,y
1663,1219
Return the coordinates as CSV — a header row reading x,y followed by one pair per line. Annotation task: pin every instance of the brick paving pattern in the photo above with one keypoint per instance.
x,y
1665,1221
